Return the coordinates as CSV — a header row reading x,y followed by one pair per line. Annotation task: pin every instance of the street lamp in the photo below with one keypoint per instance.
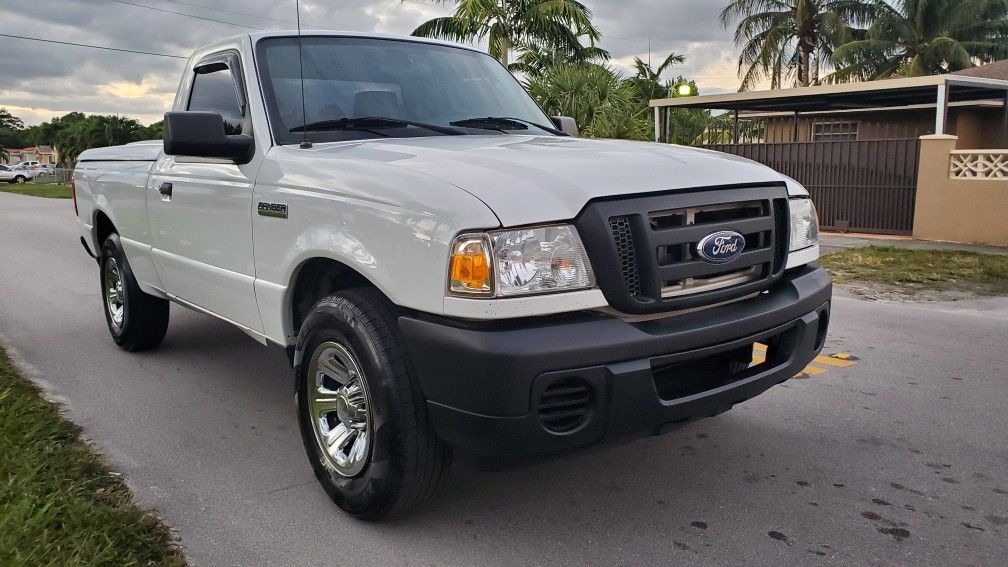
x,y
684,89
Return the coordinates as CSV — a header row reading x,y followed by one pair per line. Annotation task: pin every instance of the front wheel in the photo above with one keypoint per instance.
x,y
136,320
362,417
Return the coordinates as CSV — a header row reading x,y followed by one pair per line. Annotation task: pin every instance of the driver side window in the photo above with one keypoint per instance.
x,y
213,90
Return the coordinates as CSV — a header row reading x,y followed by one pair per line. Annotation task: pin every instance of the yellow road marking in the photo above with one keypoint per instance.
x,y
830,361
838,360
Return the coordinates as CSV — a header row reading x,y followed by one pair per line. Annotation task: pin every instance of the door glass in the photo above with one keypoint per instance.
x,y
215,92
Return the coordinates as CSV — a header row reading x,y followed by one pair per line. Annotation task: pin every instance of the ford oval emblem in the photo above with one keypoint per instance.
x,y
721,247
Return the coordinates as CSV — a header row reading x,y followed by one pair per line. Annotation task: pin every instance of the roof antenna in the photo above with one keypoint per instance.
x,y
305,144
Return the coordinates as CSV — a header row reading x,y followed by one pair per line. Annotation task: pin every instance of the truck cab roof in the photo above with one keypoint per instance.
x,y
256,36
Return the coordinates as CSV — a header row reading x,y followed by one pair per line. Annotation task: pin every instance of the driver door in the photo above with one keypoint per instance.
x,y
200,209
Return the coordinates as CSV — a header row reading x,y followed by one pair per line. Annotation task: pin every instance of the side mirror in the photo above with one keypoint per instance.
x,y
565,124
202,134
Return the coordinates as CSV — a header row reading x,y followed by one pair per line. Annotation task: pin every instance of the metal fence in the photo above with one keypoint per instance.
x,y
859,185
59,175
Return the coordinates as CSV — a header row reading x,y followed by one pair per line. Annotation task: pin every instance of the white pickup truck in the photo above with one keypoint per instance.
x,y
448,267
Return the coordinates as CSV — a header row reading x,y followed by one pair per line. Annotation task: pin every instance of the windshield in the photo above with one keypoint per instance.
x,y
416,84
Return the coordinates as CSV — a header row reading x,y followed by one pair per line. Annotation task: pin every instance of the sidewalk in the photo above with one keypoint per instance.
x,y
836,242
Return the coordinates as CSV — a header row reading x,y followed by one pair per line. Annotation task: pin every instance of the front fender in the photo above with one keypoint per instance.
x,y
391,225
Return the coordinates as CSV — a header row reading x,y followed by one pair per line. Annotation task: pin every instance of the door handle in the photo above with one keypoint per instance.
x,y
165,189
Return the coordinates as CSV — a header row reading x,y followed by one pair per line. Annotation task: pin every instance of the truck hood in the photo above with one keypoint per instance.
x,y
536,179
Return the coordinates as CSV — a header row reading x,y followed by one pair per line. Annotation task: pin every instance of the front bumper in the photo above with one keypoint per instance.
x,y
484,384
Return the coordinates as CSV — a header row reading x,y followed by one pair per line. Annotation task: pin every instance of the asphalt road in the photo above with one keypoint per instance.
x,y
900,459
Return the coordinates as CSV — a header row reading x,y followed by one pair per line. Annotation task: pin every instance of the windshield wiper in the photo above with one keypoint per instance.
x,y
370,123
503,123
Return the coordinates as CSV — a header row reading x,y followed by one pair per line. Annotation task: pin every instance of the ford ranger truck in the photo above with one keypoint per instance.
x,y
448,267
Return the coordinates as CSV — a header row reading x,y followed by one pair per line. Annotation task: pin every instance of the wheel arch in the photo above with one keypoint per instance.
x,y
313,279
102,227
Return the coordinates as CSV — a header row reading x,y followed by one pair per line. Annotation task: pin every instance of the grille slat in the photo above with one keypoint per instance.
x,y
697,231
700,268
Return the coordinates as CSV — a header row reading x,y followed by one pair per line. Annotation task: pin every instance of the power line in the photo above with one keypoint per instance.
x,y
187,15
235,12
92,46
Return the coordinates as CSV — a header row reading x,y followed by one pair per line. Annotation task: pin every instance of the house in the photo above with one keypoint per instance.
x,y
860,147
45,155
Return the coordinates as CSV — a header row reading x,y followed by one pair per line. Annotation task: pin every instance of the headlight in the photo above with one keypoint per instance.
x,y
524,261
804,225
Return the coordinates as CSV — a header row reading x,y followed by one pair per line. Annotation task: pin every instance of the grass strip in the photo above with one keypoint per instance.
x,y
48,190
59,503
907,269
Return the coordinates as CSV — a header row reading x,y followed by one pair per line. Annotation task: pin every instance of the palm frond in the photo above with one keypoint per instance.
x,y
451,28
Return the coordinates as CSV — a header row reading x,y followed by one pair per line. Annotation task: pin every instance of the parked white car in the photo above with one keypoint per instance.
x,y
15,174
446,265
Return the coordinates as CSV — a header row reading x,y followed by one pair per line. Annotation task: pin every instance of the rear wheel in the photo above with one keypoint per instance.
x,y
363,420
20,179
136,320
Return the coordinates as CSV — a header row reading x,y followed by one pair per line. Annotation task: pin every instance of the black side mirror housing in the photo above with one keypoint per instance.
x,y
565,124
202,134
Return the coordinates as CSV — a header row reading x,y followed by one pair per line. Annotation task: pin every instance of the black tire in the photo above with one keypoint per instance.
x,y
144,317
406,460
20,179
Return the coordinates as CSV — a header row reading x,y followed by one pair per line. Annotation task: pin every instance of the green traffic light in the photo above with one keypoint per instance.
x,y
684,89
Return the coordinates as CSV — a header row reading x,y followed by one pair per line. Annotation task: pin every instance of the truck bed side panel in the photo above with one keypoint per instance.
x,y
114,182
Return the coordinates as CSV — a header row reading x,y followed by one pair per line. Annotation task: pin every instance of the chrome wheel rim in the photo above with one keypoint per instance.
x,y
115,298
339,409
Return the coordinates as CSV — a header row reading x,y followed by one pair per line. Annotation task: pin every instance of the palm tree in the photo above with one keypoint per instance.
x,y
785,38
648,79
507,24
597,97
925,37
537,59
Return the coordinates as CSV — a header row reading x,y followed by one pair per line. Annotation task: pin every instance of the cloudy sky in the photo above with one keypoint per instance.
x,y
40,80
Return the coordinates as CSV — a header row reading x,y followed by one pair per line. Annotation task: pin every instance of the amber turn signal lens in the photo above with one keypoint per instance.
x,y
470,267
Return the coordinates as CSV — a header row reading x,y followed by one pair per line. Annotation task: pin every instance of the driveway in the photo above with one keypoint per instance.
x,y
898,459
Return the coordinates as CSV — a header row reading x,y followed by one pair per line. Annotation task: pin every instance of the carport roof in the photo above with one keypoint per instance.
x,y
874,94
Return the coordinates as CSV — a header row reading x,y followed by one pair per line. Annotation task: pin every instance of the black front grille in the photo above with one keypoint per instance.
x,y
565,405
644,249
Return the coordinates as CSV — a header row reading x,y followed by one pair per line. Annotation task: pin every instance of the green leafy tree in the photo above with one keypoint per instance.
x,y
75,132
11,132
784,39
155,131
121,130
536,59
686,125
648,80
9,121
924,37
508,24
602,103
